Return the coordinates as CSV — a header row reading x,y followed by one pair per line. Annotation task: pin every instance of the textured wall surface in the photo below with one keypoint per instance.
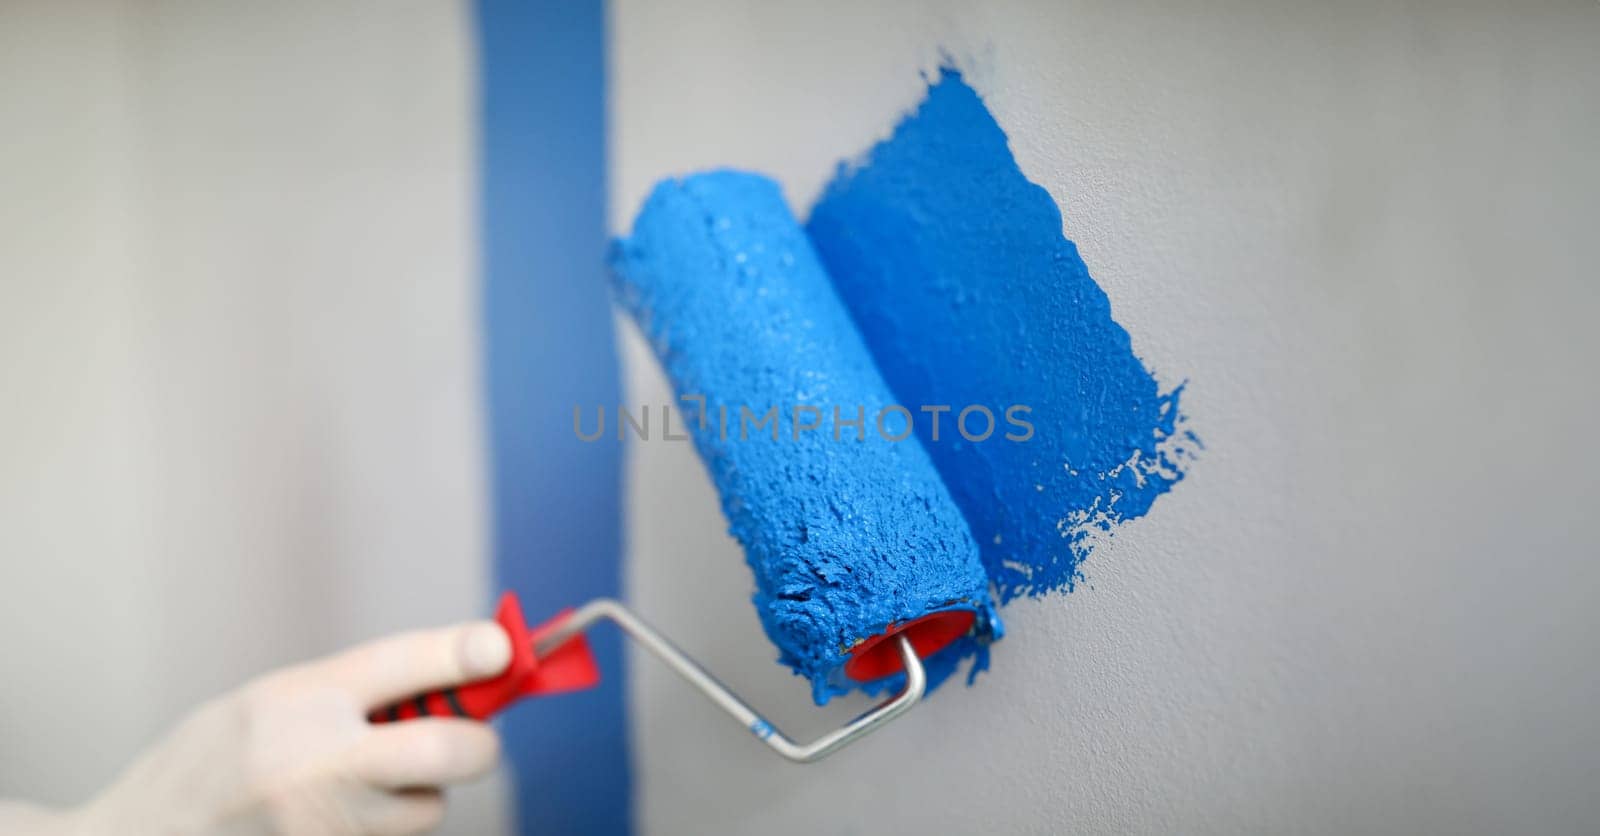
x,y
1356,230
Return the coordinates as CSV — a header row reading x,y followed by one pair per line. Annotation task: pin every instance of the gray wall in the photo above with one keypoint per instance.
x,y
238,359
1356,229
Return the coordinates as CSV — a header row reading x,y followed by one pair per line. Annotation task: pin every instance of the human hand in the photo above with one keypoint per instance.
x,y
293,751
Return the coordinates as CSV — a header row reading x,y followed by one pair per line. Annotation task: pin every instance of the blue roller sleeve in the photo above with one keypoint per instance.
x,y
846,531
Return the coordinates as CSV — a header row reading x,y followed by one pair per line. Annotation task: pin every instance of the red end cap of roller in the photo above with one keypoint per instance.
x,y
878,657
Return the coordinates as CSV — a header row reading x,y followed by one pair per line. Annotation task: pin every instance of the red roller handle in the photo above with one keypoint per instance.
x,y
570,667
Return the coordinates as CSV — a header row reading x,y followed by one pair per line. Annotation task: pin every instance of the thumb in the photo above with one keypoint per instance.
x,y
391,669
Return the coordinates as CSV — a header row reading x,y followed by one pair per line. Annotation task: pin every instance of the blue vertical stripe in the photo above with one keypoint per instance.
x,y
556,505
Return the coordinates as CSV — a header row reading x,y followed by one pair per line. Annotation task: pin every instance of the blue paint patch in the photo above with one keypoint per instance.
x,y
846,531
957,274
548,346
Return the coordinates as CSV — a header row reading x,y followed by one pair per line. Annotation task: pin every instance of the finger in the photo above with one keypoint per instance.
x,y
428,752
404,812
391,669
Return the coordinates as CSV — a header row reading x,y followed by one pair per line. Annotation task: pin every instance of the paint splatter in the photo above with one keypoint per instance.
x,y
957,274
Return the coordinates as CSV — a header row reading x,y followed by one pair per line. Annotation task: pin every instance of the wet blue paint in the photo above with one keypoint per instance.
x,y
957,274
548,346
845,531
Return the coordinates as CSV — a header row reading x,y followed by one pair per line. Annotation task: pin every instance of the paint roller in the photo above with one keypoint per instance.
x,y
866,574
